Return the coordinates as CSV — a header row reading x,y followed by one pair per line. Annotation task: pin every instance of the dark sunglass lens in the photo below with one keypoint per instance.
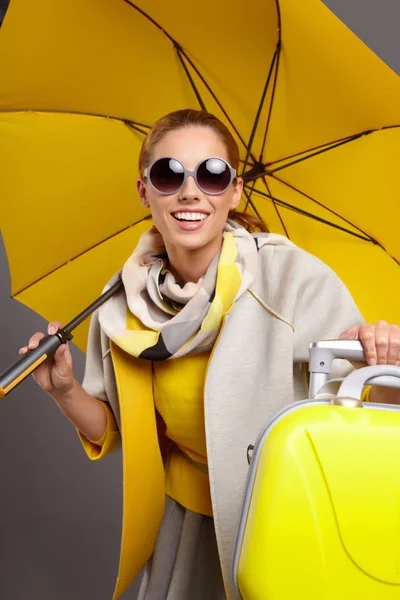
x,y
213,175
167,175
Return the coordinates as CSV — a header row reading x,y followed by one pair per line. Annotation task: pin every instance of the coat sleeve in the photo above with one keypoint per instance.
x,y
94,383
323,309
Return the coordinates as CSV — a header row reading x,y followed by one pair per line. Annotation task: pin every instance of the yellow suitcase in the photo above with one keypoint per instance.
x,y
321,510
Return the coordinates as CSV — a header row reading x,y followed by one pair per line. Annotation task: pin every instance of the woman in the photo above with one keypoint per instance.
x,y
212,330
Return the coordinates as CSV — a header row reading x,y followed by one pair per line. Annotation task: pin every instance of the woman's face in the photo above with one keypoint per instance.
x,y
190,146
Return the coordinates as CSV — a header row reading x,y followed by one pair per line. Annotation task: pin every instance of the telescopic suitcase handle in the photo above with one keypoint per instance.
x,y
322,355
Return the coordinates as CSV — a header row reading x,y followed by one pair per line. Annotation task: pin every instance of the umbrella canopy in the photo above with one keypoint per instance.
x,y
316,115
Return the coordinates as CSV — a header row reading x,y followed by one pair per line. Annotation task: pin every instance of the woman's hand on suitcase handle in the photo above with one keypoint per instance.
x,y
381,343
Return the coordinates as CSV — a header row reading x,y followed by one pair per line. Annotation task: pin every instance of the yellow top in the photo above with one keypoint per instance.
x,y
178,395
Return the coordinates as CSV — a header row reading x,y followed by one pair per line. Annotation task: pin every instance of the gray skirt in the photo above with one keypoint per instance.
x,y
185,564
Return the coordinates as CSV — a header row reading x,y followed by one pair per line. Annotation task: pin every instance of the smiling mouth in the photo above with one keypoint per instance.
x,y
189,216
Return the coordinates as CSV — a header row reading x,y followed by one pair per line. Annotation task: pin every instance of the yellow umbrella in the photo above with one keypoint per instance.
x,y
315,112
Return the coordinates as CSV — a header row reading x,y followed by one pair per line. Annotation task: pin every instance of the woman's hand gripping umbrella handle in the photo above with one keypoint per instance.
x,y
23,367
47,346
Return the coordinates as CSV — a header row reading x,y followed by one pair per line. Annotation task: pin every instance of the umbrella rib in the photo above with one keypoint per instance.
x,y
332,144
259,170
295,189
318,152
367,236
260,107
153,21
271,105
190,62
326,145
147,218
279,17
276,209
253,206
274,85
203,80
129,122
305,213
248,196
192,83
256,173
132,125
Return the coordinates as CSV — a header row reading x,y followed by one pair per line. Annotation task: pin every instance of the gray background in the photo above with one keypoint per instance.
x,y
60,514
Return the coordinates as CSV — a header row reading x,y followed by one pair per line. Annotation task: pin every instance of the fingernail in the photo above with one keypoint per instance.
x,y
397,363
32,345
52,330
372,362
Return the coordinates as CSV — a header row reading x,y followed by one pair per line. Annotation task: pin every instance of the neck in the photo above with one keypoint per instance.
x,y
190,265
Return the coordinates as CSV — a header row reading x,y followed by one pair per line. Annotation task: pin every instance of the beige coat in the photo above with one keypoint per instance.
x,y
256,368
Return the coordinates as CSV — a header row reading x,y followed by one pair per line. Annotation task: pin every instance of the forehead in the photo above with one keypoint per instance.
x,y
190,145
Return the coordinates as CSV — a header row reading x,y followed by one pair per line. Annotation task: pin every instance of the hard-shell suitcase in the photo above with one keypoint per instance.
x,y
321,510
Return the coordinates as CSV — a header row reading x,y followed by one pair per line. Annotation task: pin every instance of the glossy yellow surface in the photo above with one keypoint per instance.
x,y
324,515
73,73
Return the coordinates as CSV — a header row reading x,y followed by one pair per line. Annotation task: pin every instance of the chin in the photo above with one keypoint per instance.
x,y
193,241
210,235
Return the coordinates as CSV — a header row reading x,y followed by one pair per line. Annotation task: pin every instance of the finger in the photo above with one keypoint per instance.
x,y
35,339
53,327
350,334
61,364
382,342
366,335
68,356
393,356
23,350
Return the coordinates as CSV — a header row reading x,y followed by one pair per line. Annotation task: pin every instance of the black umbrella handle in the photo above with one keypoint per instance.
x,y
23,367
12,376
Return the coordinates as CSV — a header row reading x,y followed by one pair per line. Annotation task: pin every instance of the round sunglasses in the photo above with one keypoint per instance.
x,y
212,175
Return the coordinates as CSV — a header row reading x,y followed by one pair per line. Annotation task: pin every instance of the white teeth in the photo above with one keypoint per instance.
x,y
192,216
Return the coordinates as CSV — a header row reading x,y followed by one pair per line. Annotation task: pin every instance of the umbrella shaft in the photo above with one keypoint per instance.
x,y
92,307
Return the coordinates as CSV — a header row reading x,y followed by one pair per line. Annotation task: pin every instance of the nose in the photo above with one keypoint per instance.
x,y
189,190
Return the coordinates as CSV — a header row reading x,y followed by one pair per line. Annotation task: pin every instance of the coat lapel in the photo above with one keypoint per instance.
x,y
143,490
